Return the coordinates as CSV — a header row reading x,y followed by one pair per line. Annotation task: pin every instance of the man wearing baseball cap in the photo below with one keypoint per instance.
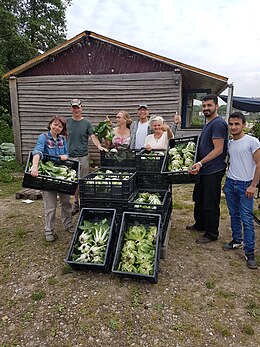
x,y
80,129
140,128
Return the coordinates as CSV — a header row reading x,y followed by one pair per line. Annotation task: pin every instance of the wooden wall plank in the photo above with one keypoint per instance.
x,y
43,96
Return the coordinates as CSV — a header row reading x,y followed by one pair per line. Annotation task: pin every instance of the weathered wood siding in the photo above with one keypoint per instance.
x,y
41,97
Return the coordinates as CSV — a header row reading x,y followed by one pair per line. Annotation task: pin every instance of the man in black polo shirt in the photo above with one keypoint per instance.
x,y
211,155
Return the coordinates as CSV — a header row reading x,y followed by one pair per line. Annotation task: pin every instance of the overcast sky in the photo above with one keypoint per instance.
x,y
220,36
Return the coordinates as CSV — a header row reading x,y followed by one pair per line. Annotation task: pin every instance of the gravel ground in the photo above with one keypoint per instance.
x,y
204,296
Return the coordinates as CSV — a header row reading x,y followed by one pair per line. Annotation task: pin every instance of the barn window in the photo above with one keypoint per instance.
x,y
192,108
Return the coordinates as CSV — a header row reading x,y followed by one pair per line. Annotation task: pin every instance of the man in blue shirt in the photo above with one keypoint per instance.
x,y
211,154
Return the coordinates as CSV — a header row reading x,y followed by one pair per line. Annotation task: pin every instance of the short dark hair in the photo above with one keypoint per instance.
x,y
238,115
213,97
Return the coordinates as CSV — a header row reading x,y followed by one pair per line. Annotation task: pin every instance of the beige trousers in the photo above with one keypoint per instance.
x,y
50,205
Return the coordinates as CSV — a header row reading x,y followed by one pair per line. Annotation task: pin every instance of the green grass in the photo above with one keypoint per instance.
x,y
37,296
222,329
226,294
8,189
253,309
66,269
248,329
136,297
210,284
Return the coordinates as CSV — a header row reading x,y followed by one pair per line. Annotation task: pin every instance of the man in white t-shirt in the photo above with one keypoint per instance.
x,y
240,186
140,128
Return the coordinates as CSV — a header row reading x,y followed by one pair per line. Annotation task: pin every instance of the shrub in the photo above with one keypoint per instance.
x,y
255,130
6,133
6,170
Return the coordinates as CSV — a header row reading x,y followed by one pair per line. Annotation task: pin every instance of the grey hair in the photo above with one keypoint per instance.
x,y
156,118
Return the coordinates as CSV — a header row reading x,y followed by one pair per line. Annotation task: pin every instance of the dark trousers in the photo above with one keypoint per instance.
x,y
206,195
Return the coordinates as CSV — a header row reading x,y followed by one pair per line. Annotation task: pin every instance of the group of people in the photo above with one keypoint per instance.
x,y
145,132
69,139
242,177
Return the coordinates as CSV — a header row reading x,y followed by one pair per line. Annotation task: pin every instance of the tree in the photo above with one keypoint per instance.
x,y
28,28
43,22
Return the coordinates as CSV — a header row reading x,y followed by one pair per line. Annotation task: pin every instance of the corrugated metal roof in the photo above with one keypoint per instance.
x,y
62,47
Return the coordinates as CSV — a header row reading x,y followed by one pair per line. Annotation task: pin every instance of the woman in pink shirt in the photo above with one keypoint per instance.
x,y
121,138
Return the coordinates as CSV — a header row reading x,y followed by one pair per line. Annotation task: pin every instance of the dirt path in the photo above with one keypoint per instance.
x,y
205,296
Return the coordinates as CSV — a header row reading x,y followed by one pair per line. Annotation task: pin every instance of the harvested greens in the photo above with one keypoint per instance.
x,y
104,131
152,155
108,177
92,242
147,199
182,156
138,251
56,171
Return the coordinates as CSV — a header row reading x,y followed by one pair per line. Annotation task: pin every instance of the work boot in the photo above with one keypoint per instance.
x,y
250,261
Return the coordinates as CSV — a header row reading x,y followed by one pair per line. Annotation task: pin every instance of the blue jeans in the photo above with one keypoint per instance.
x,y
241,212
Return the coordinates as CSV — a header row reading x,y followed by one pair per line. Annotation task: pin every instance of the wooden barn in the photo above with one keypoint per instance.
x,y
108,76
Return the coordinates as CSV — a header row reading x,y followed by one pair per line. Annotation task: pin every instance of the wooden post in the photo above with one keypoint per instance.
x,y
15,118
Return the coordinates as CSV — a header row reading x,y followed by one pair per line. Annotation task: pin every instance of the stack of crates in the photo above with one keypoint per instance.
x,y
102,189
114,187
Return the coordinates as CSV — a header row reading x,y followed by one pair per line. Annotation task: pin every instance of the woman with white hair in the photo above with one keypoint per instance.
x,y
161,134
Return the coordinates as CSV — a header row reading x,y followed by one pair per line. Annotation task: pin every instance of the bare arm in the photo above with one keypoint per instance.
x,y
217,150
169,131
96,142
252,188
35,163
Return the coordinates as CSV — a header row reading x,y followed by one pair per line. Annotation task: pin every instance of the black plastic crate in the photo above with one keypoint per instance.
x,y
130,219
178,177
166,219
152,181
133,206
119,206
149,161
123,158
49,183
95,215
111,186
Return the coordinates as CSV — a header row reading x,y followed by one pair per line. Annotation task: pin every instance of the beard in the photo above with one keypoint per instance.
x,y
208,113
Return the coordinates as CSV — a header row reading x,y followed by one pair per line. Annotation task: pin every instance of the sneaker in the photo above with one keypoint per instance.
x,y
75,208
232,245
250,261
49,236
204,239
194,228
70,229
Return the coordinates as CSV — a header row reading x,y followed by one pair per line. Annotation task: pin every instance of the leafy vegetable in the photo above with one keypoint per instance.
x,y
138,251
50,169
182,156
147,199
152,155
92,242
108,177
104,131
